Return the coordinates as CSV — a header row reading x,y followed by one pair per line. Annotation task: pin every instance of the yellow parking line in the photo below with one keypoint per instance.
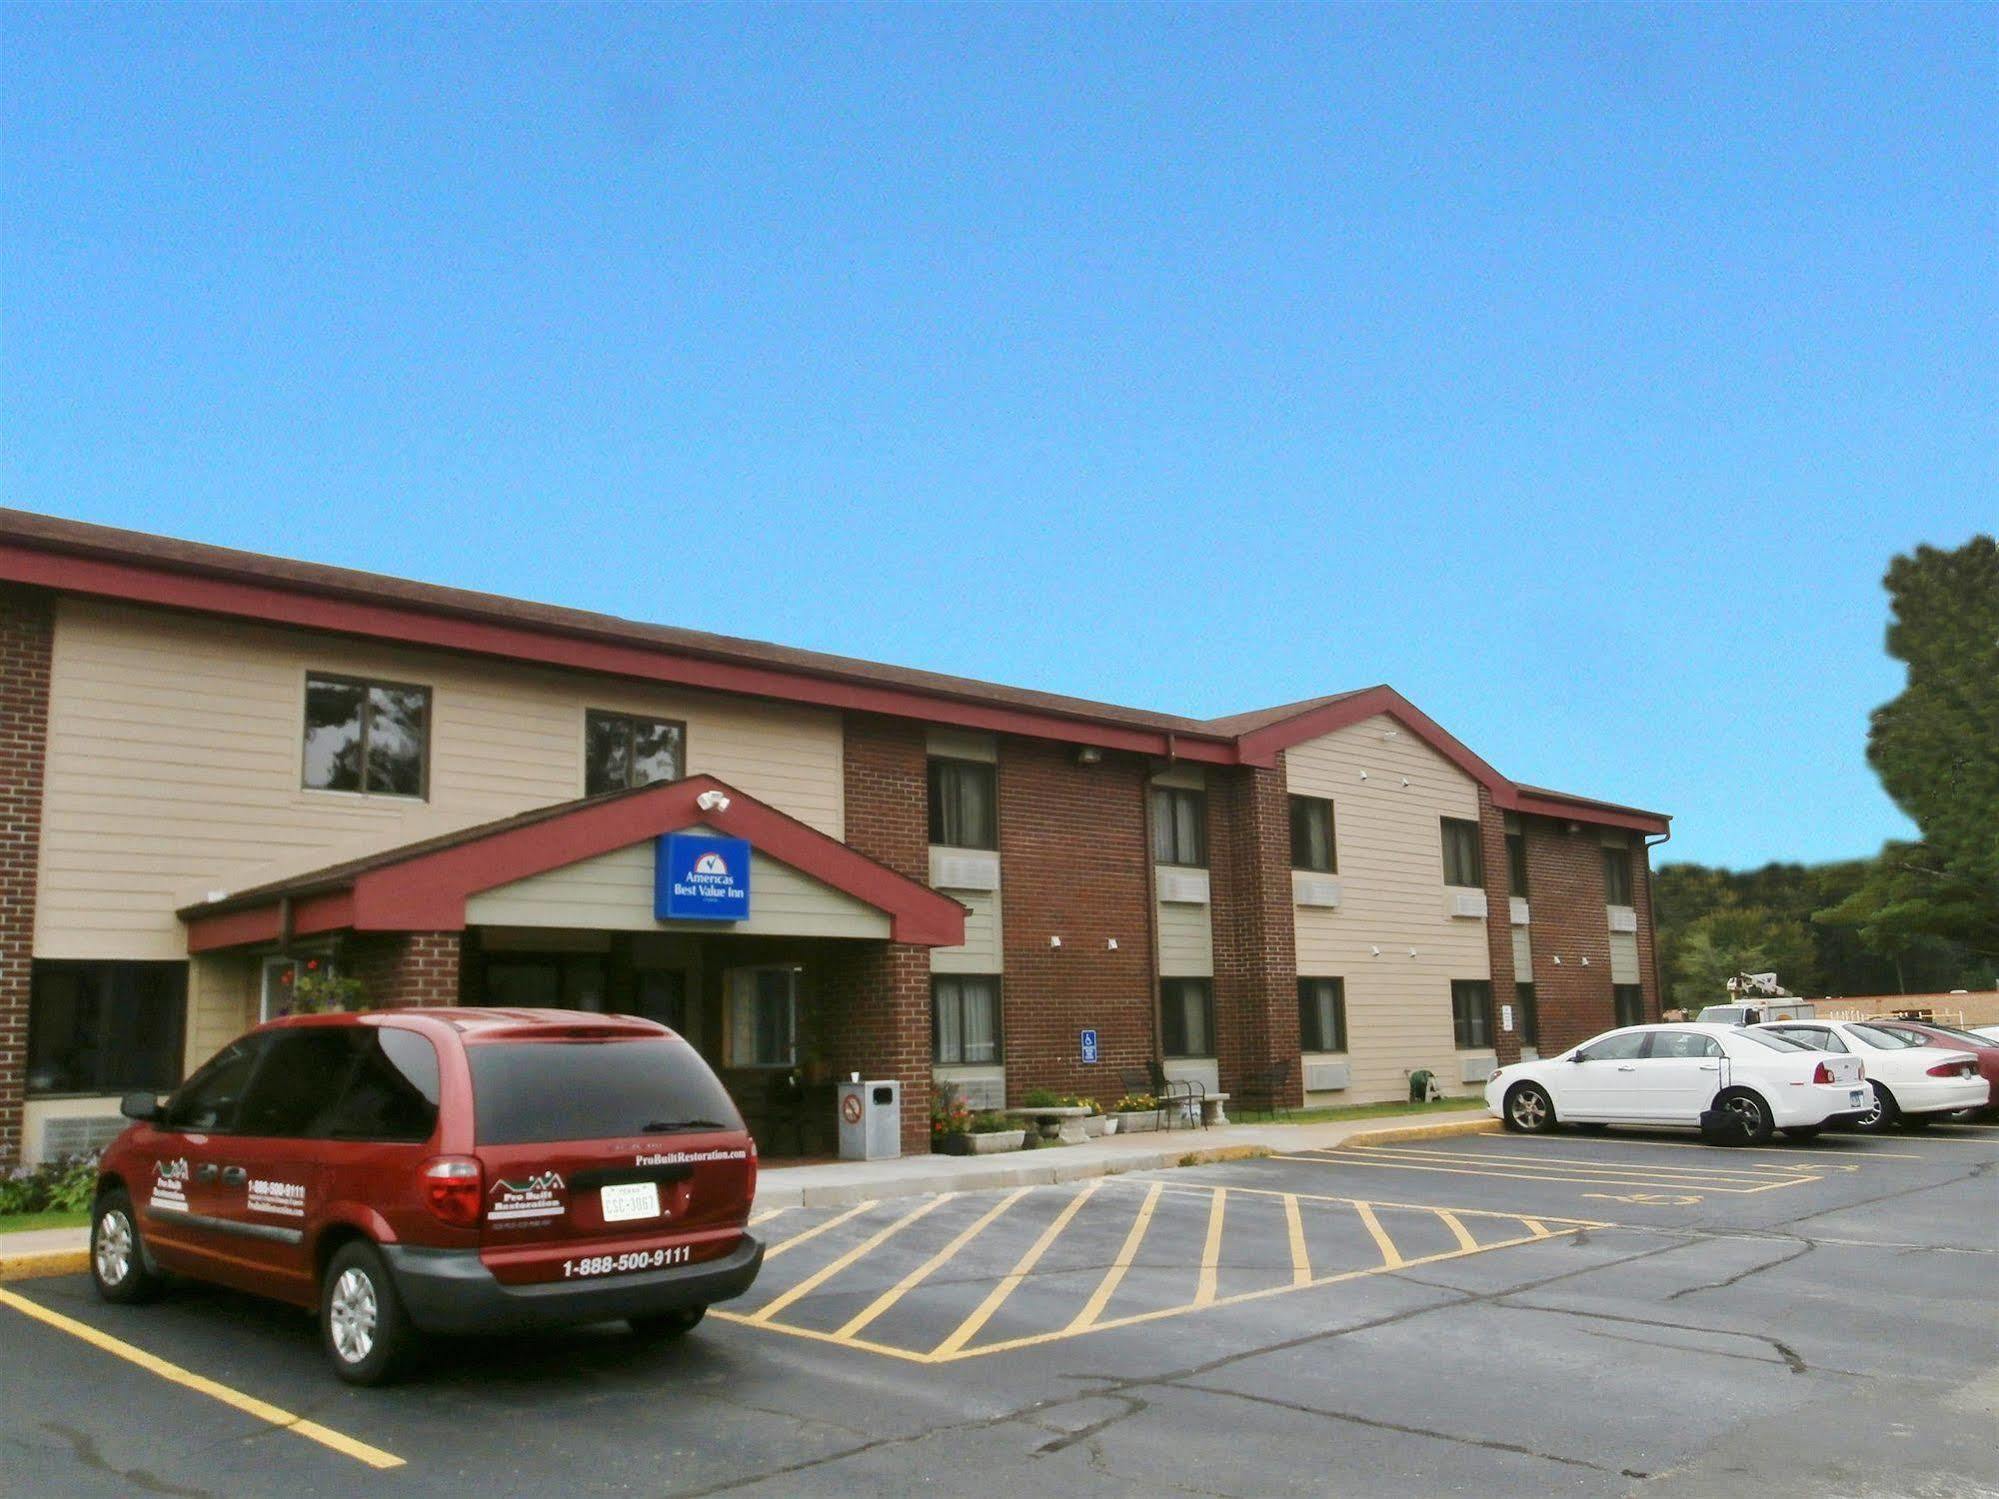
x,y
868,1245
1592,1181
922,1272
967,1329
1211,1252
1450,1221
1100,1298
818,1228
1536,1227
312,1431
1793,1151
1419,1207
1301,1259
766,1217
1390,1255
1756,1172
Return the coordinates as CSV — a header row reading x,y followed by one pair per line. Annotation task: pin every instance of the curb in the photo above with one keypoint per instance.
x,y
47,1262
1483,1125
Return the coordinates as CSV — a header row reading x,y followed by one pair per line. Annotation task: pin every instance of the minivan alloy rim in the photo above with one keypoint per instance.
x,y
114,1248
352,1316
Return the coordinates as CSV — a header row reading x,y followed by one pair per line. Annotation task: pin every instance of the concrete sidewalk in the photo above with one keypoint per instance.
x,y
65,1251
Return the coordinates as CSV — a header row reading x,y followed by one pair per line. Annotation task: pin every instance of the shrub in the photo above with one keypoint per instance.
x,y
1041,1098
991,1124
1135,1103
60,1186
949,1113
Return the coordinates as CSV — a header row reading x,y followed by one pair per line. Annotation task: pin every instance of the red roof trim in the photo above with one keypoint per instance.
x,y
427,891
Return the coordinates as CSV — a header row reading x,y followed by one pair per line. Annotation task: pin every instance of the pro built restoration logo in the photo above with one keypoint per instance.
x,y
698,878
169,1186
542,1195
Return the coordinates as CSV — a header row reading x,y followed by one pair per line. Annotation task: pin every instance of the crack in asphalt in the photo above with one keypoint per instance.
x,y
1784,1350
91,1456
1804,1248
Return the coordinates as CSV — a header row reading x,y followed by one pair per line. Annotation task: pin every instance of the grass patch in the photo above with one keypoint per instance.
x,y
14,1223
1381,1110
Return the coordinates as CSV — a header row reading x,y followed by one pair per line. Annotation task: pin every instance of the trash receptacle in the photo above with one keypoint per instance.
x,y
870,1121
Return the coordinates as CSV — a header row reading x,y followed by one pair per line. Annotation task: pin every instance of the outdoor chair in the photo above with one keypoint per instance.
x,y
1272,1086
1184,1095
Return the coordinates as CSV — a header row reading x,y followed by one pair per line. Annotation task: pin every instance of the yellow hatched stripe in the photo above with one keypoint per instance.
x,y
819,1228
868,1245
250,1405
1211,1252
1450,1220
1101,1297
923,1271
1391,1257
999,1293
1301,1259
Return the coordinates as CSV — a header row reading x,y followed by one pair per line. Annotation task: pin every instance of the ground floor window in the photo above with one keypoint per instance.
x,y
1187,1017
1526,1016
964,1019
1471,1013
105,1027
661,994
762,1017
1322,1014
1629,1002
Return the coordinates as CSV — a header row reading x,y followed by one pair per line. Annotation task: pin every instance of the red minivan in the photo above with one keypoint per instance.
x,y
439,1171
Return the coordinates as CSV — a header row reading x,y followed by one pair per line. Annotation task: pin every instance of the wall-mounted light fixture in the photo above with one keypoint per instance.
x,y
1089,754
1375,950
1110,943
1054,941
712,801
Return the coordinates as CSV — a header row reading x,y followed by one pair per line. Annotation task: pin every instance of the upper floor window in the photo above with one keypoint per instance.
x,y
1617,876
621,750
1179,826
366,736
1312,844
1516,864
963,804
1463,864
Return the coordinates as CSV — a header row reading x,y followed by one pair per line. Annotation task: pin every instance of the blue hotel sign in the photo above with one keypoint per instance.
x,y
701,879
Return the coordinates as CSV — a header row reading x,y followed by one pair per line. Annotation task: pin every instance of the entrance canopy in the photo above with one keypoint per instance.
x,y
426,886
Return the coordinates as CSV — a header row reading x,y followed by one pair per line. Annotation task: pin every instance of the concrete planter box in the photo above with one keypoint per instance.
x,y
1137,1124
1097,1125
990,1143
1054,1122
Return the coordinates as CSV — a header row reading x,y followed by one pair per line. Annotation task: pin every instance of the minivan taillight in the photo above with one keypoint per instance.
x,y
1823,1073
453,1188
1953,1069
750,1179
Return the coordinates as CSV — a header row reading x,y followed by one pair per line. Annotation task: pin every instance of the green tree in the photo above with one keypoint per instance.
x,y
1739,939
1936,749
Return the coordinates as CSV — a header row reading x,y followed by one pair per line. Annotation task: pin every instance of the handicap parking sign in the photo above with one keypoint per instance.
x,y
1089,1046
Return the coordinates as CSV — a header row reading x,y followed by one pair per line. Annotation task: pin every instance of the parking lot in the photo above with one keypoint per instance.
x,y
1493,1314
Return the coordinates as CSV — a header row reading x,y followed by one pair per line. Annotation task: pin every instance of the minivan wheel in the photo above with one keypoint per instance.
x,y
1751,1110
362,1324
1529,1109
664,1327
1880,1114
117,1258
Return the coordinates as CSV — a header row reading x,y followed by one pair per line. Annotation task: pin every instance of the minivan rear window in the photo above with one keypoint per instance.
x,y
532,1092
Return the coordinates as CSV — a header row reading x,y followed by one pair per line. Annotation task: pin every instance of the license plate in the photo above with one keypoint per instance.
x,y
630,1200
1856,1098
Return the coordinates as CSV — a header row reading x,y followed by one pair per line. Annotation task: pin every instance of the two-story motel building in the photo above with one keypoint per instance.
x,y
220,770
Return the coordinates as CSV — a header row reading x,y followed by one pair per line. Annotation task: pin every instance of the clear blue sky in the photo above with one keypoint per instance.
x,y
1576,370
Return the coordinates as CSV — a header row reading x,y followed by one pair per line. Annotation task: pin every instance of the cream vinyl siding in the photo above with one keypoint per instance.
x,y
981,952
1186,941
1624,958
1392,897
222,1000
614,892
175,748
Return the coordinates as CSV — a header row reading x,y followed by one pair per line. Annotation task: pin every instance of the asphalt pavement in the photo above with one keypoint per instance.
x,y
1609,1314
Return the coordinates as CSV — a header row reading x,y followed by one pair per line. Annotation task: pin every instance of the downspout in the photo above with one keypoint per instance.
x,y
285,925
1152,907
1652,912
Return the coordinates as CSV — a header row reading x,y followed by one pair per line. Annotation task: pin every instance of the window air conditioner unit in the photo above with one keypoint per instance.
x,y
1469,903
1184,886
961,870
79,1134
1327,1077
1623,919
1475,1069
1316,890
1516,910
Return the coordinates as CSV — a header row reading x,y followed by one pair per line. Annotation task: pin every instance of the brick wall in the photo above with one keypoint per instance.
x,y
874,1019
1565,895
1073,864
1256,961
1499,924
27,632
399,970
888,792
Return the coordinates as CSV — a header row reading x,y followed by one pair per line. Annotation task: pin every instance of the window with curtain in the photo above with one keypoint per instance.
x,y
96,1027
1187,1017
1463,864
1179,826
622,750
965,1019
963,804
762,1020
1471,1013
1628,1000
1312,844
1516,864
1617,876
1322,1014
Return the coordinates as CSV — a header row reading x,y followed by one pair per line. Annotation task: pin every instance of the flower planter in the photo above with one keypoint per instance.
x,y
952,1144
1137,1124
1097,1124
995,1141
1110,1124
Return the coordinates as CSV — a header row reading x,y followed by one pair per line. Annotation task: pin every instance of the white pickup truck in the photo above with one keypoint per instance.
x,y
1756,1011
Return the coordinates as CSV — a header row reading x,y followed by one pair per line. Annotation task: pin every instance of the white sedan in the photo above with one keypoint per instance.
x,y
1911,1082
1672,1074
1986,1030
